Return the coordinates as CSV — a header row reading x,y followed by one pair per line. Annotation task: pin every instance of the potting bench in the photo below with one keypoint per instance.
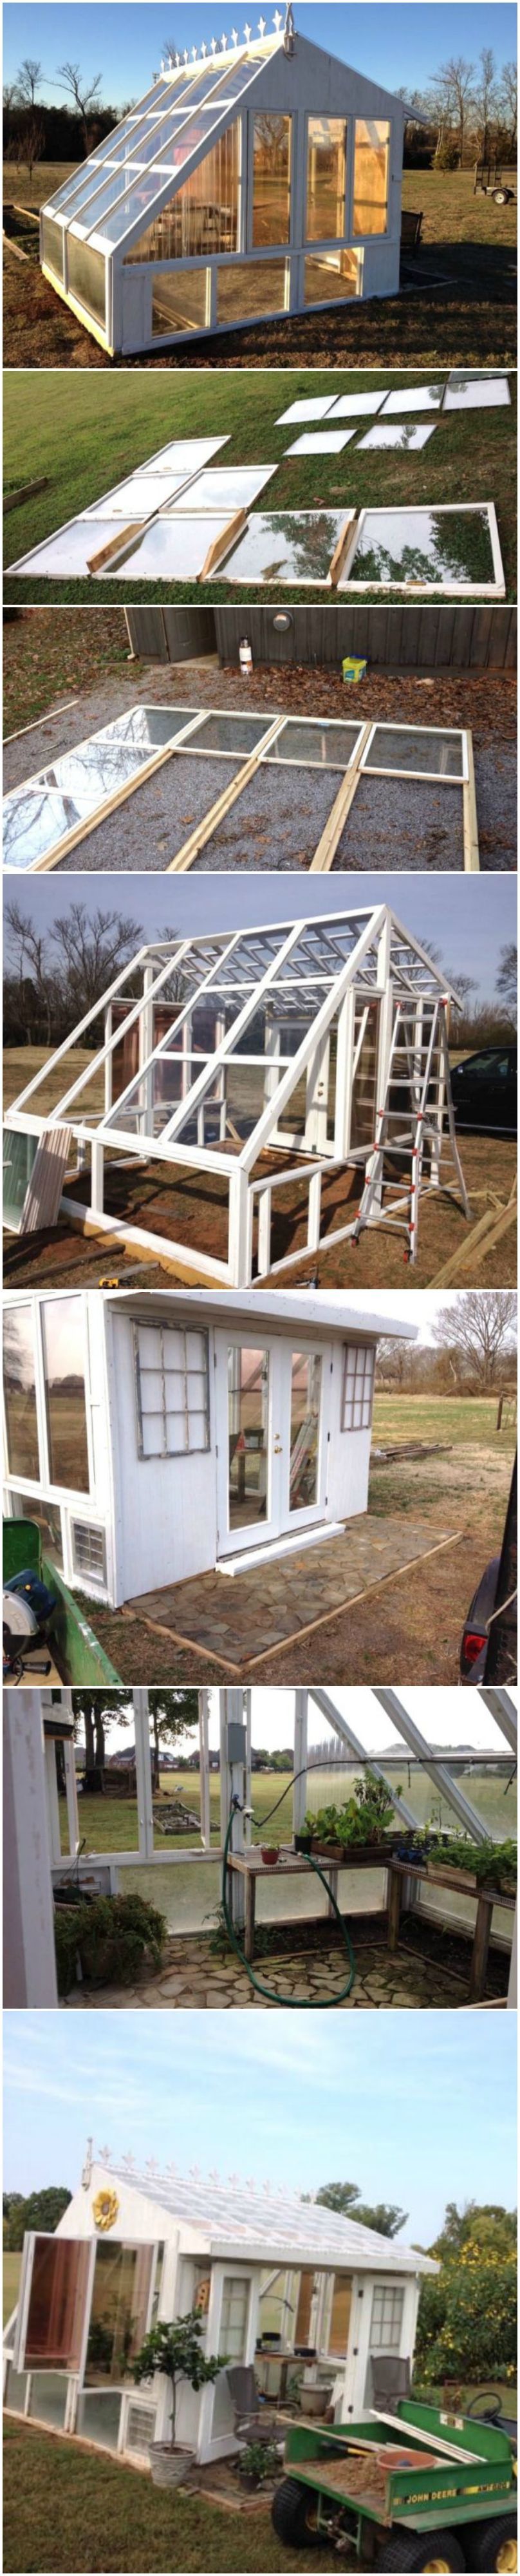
x,y
485,1899
250,1866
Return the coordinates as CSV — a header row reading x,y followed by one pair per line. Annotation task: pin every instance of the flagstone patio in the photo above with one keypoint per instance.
x,y
193,1978
238,1621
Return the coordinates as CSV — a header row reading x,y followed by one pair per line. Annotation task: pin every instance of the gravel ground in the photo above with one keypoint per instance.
x,y
140,834
279,818
402,823
152,825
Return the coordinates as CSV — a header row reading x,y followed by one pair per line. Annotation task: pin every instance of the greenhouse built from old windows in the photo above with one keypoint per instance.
x,y
261,178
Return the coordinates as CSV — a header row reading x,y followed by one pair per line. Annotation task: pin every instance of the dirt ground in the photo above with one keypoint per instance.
x,y
485,701
412,1629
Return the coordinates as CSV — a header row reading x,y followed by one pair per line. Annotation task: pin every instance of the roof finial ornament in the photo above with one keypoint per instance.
x,y
223,41
194,52
213,44
289,29
262,23
87,2168
204,52
185,55
278,20
235,39
248,33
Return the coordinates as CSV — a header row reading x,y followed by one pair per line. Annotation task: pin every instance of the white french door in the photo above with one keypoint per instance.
x,y
272,1406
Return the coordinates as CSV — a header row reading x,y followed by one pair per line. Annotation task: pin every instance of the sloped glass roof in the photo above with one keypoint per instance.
x,y
134,165
229,2206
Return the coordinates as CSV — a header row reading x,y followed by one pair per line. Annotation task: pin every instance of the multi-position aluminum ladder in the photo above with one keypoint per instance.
x,y
412,1130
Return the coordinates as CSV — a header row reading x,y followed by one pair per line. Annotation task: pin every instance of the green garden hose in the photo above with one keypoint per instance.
x,y
291,2003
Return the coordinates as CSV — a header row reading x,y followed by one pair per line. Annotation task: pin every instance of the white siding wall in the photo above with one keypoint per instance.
x,y
349,1455
165,1508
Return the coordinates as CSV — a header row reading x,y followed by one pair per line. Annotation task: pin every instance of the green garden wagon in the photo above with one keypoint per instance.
x,y
417,2489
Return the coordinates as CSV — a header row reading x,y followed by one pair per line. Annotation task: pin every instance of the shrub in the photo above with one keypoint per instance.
x,y
111,1936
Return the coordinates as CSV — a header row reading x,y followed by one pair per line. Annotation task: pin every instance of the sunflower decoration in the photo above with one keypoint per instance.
x,y
105,2210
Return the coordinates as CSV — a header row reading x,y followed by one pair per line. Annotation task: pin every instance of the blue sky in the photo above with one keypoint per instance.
x,y
426,2114
404,43
468,919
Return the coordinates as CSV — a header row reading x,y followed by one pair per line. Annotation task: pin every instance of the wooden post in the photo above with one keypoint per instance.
x,y
394,1907
249,1927
221,545
480,1951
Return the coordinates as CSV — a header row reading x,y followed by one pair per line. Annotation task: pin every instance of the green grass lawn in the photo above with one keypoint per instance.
x,y
452,213
65,2508
85,431
458,1419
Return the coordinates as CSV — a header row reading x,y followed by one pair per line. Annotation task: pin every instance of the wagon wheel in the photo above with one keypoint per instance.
x,y
496,2546
501,196
437,2551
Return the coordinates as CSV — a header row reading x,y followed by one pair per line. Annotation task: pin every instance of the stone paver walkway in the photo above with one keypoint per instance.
x,y
193,1977
243,1618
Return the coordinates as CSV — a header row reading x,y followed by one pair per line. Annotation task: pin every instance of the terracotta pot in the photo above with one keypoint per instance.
x,y
169,2467
270,1853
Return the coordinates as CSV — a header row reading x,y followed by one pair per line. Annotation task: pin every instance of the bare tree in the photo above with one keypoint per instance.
x,y
507,977
478,1330
440,107
64,975
509,102
28,80
85,96
10,98
454,83
485,100
32,144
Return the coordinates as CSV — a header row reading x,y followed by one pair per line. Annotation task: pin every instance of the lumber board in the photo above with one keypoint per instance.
x,y
469,814
16,252
44,1190
221,545
499,1228
426,2441
12,501
346,535
117,544
331,835
216,815
464,1250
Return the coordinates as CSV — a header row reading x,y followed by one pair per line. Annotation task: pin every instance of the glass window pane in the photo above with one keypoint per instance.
x,y
52,245
137,497
371,156
230,733
413,398
407,435
305,1428
18,1155
119,2310
16,2389
326,178
438,547
49,2390
248,1417
285,546
171,549
86,277
234,2315
64,1364
98,2418
253,286
180,302
271,180
20,1392
58,2293
201,215
340,2313
47,1518
324,746
329,275
363,1106
225,487
417,751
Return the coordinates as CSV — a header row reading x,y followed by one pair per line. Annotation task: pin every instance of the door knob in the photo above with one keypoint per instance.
x,y
277,1447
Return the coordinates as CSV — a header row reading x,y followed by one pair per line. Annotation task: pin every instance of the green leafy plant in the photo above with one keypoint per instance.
x,y
175,2351
364,1818
258,2462
490,1863
111,1936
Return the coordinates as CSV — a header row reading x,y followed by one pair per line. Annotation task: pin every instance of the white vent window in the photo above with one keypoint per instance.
x,y
172,1390
387,2318
89,1551
140,2429
358,1388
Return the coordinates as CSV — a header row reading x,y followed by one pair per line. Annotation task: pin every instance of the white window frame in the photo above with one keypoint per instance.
x,y
259,250
364,1351
367,238
495,589
384,2291
328,241
194,1448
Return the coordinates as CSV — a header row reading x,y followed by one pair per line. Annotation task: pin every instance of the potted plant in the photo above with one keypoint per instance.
x,y
458,1861
175,2352
110,1937
270,1854
259,2461
363,1822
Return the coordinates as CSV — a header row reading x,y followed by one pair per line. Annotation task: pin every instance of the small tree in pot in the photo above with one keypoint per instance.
x,y
175,2352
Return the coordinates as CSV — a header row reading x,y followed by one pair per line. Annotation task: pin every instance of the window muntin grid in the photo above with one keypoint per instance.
x,y
386,2319
358,1388
171,1373
326,178
371,167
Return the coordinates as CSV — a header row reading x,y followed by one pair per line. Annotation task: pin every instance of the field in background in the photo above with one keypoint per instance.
x,y
10,2279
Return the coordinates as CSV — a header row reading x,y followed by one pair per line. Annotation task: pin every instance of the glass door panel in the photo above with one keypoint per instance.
x,y
248,1501
58,2292
305,1429
119,2311
340,2314
364,1087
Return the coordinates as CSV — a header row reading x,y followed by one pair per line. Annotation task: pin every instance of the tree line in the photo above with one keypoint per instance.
x,y
473,1350
472,112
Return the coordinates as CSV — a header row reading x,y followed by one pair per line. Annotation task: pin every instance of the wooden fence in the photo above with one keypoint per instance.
x,y
404,638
